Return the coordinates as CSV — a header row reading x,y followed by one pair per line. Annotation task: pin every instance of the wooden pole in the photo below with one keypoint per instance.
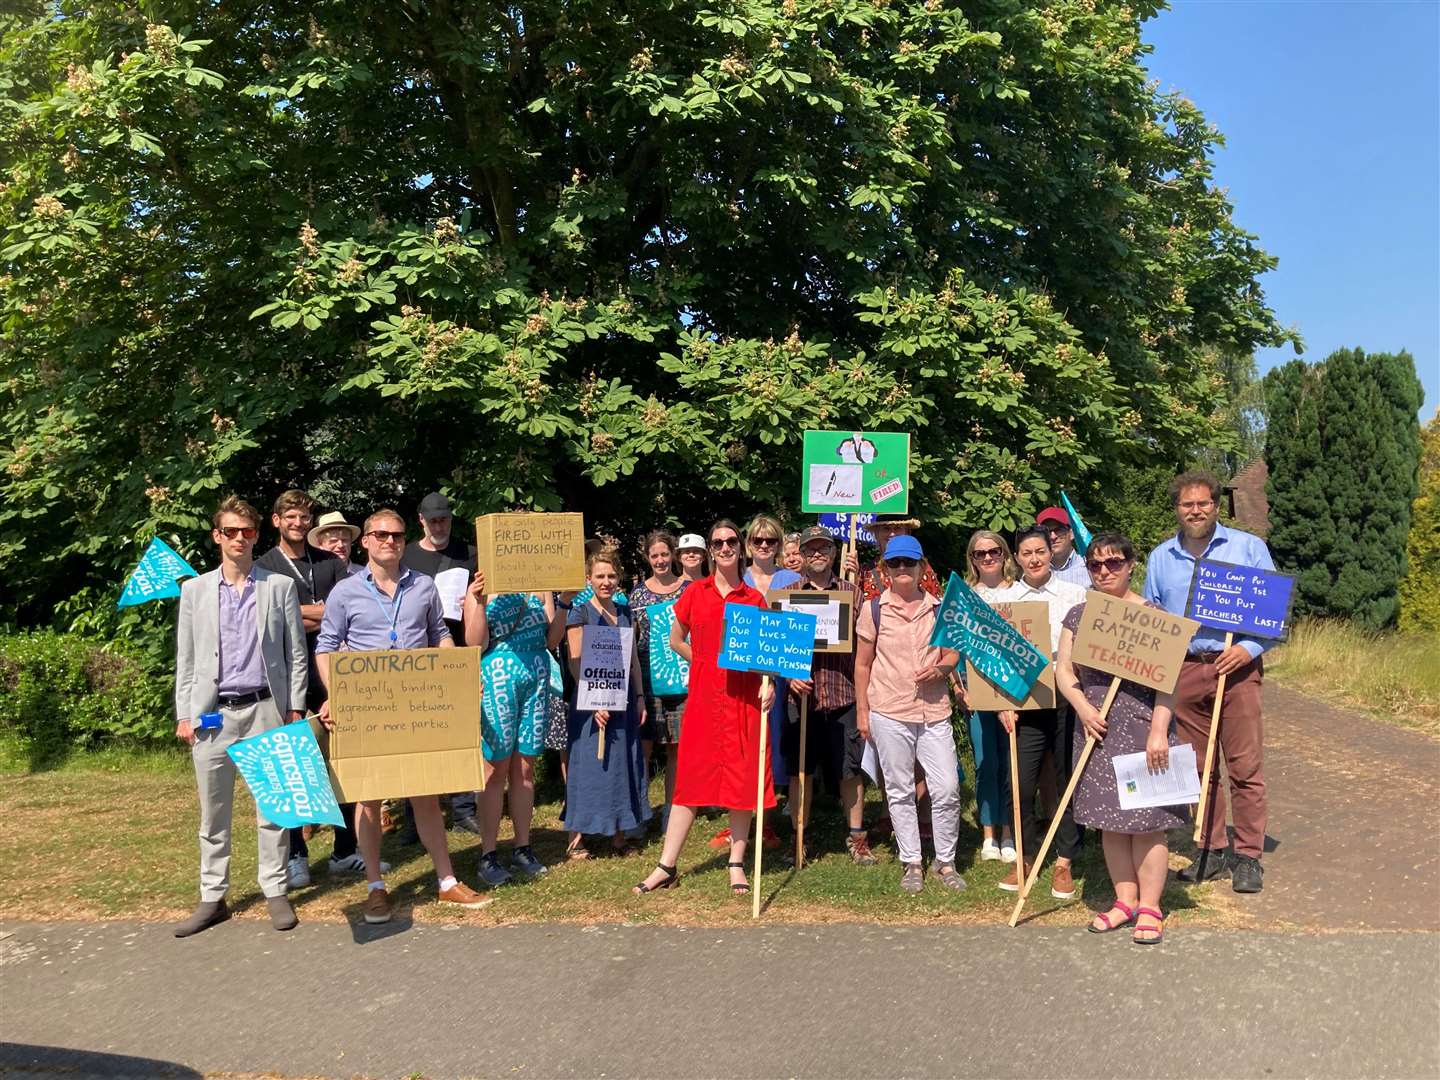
x,y
849,575
600,745
760,802
1015,811
1077,772
803,810
1203,811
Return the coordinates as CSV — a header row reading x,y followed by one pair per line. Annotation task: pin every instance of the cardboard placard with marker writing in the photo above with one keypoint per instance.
x,y
1031,618
1134,641
531,552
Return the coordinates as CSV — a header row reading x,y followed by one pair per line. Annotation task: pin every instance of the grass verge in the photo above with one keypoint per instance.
x,y
1392,676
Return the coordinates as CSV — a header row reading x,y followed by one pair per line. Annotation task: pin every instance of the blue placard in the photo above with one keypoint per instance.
x,y
1241,599
838,526
966,623
155,577
669,671
780,643
288,777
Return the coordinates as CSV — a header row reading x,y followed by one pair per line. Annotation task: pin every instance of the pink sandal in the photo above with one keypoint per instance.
x,y
1130,914
1158,931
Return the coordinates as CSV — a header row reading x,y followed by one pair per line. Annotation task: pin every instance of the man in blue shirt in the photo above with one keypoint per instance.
x,y
1196,498
1066,563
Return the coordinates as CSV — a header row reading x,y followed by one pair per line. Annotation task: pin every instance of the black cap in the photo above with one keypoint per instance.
x,y
816,532
435,505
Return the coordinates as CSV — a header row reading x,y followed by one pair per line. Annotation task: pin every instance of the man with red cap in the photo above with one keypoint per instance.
x,y
1066,563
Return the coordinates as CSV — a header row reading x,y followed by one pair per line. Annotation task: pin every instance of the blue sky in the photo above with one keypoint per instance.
x,y
1331,115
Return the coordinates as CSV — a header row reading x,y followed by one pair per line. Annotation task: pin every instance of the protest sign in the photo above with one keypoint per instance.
x,y
531,552
855,471
966,623
155,578
604,667
841,528
286,774
406,722
779,643
1240,599
834,612
1132,641
669,671
1031,620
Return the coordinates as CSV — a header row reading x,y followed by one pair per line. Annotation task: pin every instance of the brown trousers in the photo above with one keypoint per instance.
x,y
1240,743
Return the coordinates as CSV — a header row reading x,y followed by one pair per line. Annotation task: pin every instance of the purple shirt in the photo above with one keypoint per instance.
x,y
241,671
359,617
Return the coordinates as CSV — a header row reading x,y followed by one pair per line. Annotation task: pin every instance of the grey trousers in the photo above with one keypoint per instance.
x,y
899,746
215,780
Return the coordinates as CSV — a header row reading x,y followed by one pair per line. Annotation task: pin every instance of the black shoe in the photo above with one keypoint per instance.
x,y
206,915
1247,876
468,823
1209,864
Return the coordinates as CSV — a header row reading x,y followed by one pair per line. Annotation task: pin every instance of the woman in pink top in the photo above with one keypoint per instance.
x,y
902,704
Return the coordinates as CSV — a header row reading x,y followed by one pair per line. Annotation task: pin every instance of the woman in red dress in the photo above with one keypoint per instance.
x,y
720,728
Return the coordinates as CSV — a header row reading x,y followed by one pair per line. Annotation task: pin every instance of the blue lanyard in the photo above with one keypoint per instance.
x,y
394,611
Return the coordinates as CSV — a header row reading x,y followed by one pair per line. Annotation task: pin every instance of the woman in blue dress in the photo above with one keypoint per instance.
x,y
605,787
514,632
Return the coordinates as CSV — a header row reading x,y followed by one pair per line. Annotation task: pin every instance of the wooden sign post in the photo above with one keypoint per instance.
x,y
1020,881
760,801
803,810
1202,817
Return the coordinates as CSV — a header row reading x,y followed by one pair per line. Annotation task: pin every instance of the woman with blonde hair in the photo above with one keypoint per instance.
x,y
989,570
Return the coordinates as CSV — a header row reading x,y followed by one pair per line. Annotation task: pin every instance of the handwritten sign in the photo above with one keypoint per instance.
x,y
834,612
1031,620
965,622
779,643
838,526
669,671
1140,643
604,667
859,471
407,722
1241,599
286,773
531,552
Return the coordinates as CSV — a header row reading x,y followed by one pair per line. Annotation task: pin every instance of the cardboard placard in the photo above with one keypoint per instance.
x,y
1240,599
855,472
970,626
834,612
779,643
407,722
1134,641
531,552
604,667
1031,618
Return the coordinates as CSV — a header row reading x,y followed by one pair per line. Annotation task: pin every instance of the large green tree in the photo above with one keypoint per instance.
x,y
1420,589
610,256
1342,450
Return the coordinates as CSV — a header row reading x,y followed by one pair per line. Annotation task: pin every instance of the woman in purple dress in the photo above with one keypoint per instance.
x,y
1136,853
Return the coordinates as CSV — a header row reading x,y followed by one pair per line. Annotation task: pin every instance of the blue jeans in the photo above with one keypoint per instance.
x,y
992,768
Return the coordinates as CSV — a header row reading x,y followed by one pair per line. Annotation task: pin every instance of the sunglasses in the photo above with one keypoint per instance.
x,y
988,553
230,532
381,536
902,562
725,542
1114,564
767,541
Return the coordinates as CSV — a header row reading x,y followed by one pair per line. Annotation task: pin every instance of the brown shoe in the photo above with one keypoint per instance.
x,y
1013,879
1062,884
461,895
858,845
377,907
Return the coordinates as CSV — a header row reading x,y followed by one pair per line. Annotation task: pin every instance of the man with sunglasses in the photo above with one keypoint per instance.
x,y
1065,562
240,669
387,606
1168,572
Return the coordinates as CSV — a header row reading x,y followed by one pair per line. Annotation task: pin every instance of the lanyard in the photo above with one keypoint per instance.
x,y
309,576
394,612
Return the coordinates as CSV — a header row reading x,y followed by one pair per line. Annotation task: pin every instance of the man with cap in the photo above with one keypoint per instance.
x,y
1066,563
334,534
833,737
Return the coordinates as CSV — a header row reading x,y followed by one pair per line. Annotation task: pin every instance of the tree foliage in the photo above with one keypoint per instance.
x,y
1342,450
1420,589
612,257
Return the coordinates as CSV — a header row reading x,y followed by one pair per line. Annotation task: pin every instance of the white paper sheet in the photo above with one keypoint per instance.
x,y
1140,788
451,585
836,485
604,667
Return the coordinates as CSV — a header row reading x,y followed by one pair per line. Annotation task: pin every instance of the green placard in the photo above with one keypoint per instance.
x,y
855,472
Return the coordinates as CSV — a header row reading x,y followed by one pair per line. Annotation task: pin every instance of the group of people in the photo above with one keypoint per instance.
x,y
255,637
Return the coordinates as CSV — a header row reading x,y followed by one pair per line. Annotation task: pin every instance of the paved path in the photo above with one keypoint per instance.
x,y
832,1001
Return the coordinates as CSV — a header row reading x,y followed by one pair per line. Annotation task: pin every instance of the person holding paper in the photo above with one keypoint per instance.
x,y
1042,731
1136,852
902,703
990,571
719,757
605,785
389,607
1196,499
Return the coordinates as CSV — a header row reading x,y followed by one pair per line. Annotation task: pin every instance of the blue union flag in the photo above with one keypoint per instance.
x,y
968,624
157,576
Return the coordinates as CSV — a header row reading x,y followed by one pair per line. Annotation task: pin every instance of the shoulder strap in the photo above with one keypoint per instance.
x,y
875,613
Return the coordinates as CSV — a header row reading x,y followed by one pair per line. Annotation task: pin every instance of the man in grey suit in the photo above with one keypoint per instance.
x,y
241,668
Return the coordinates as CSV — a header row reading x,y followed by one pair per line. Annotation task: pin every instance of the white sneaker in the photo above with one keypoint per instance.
x,y
1007,851
354,864
297,872
989,852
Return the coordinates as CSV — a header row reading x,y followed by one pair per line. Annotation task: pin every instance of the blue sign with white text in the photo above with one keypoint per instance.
x,y
966,623
669,671
779,643
155,577
1241,599
288,776
838,526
